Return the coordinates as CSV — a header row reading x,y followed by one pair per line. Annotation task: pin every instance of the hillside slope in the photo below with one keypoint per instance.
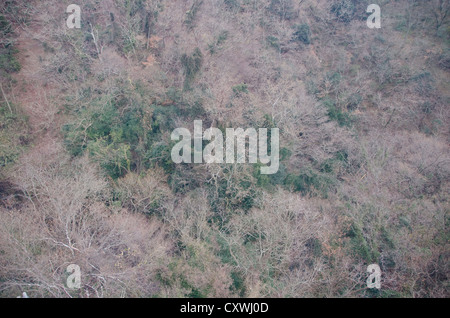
x,y
85,146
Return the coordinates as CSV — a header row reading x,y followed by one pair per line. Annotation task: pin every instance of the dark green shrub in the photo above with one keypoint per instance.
x,y
344,10
334,113
444,61
5,26
113,158
174,94
273,42
327,166
333,78
332,165
8,62
238,285
359,247
240,88
302,34
13,136
232,4
213,47
285,154
269,181
262,180
303,182
191,14
309,182
314,246
112,131
353,101
134,7
191,65
159,153
240,196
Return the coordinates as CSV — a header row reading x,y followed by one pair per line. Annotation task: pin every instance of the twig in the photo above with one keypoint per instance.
x,y
6,99
99,51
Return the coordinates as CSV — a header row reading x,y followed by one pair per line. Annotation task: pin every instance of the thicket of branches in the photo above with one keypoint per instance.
x,y
365,163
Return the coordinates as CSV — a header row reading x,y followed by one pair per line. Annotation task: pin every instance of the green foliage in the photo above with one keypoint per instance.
x,y
192,13
113,158
344,10
174,276
334,113
225,250
269,181
125,126
5,26
309,182
191,65
444,60
218,42
235,191
387,239
113,131
123,133
159,153
8,61
334,79
302,34
17,11
13,136
285,154
238,285
359,246
222,38
137,19
240,88
388,293
128,43
331,165
174,94
353,101
134,7
232,4
262,180
273,42
315,247
401,26
13,126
